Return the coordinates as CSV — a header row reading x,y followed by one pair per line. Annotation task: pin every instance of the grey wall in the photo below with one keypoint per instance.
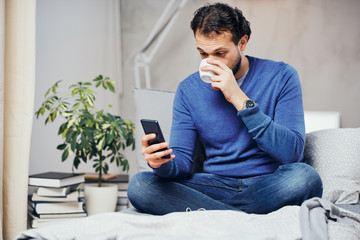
x,y
320,38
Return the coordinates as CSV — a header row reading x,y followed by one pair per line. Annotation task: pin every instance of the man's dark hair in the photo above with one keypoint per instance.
x,y
219,17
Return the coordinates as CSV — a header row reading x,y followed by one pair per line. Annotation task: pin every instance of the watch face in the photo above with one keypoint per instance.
x,y
250,104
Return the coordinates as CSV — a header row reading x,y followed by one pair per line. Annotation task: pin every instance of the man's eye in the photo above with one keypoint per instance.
x,y
203,54
219,54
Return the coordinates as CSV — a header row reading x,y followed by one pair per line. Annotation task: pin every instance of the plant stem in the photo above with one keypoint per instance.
x,y
100,169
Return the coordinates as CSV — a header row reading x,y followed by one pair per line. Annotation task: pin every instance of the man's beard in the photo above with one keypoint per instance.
x,y
236,68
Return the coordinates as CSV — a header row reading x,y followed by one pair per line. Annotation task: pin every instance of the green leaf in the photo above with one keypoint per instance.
x,y
75,91
47,92
110,137
78,148
73,143
72,122
65,132
63,106
128,142
104,85
88,116
98,78
48,119
89,91
84,142
67,114
89,135
37,113
42,111
101,143
76,162
89,100
105,125
65,155
76,105
70,134
61,146
111,87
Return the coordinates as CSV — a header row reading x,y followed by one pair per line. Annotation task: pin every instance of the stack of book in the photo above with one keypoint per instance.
x,y
122,181
55,198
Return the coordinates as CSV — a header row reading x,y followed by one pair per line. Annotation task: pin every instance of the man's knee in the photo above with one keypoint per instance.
x,y
304,181
139,186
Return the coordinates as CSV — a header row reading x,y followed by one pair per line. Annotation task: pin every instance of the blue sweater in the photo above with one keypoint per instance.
x,y
239,144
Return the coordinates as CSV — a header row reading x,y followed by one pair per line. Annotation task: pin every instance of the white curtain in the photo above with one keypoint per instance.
x,y
2,40
17,78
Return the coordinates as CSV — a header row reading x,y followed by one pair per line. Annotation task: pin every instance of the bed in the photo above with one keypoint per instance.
x,y
315,219
334,153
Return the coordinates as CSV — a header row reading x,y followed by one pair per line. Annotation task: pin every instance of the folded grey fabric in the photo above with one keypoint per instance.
x,y
319,218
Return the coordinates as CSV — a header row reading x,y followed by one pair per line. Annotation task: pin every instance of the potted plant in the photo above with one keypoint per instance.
x,y
88,134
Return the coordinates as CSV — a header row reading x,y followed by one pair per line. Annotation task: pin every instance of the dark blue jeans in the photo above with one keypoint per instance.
x,y
290,184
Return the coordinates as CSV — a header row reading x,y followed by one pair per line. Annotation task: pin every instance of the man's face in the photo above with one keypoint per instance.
x,y
221,47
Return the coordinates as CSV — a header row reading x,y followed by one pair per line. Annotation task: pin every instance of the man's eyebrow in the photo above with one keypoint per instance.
x,y
216,50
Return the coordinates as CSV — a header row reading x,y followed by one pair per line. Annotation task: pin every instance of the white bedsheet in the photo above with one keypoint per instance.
x,y
281,224
316,219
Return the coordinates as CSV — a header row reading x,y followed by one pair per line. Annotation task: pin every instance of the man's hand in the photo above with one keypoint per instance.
x,y
152,154
225,81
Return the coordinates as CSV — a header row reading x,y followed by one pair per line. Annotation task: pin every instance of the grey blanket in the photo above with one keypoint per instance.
x,y
319,219
322,220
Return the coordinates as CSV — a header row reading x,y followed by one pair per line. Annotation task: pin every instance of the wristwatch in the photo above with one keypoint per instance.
x,y
248,104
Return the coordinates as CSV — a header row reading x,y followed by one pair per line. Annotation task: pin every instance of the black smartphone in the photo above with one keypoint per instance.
x,y
153,126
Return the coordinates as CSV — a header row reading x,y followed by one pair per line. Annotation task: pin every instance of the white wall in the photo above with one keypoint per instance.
x,y
75,41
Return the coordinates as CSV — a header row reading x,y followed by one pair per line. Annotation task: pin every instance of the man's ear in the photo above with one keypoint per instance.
x,y
242,43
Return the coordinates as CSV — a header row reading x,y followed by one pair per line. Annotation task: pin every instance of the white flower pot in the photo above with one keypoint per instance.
x,y
100,199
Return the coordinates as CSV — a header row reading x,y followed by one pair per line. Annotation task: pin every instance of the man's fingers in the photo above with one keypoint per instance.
x,y
217,63
154,153
157,163
215,86
155,147
155,160
146,138
212,68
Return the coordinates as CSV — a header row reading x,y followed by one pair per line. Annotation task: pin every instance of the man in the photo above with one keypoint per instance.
x,y
250,121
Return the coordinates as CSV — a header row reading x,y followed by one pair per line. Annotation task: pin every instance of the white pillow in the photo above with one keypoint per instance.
x,y
151,104
335,154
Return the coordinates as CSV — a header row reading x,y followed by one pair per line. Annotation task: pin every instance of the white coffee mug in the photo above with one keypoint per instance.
x,y
205,75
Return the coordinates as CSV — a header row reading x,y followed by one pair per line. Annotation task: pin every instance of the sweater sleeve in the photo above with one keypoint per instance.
x,y
182,141
282,137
